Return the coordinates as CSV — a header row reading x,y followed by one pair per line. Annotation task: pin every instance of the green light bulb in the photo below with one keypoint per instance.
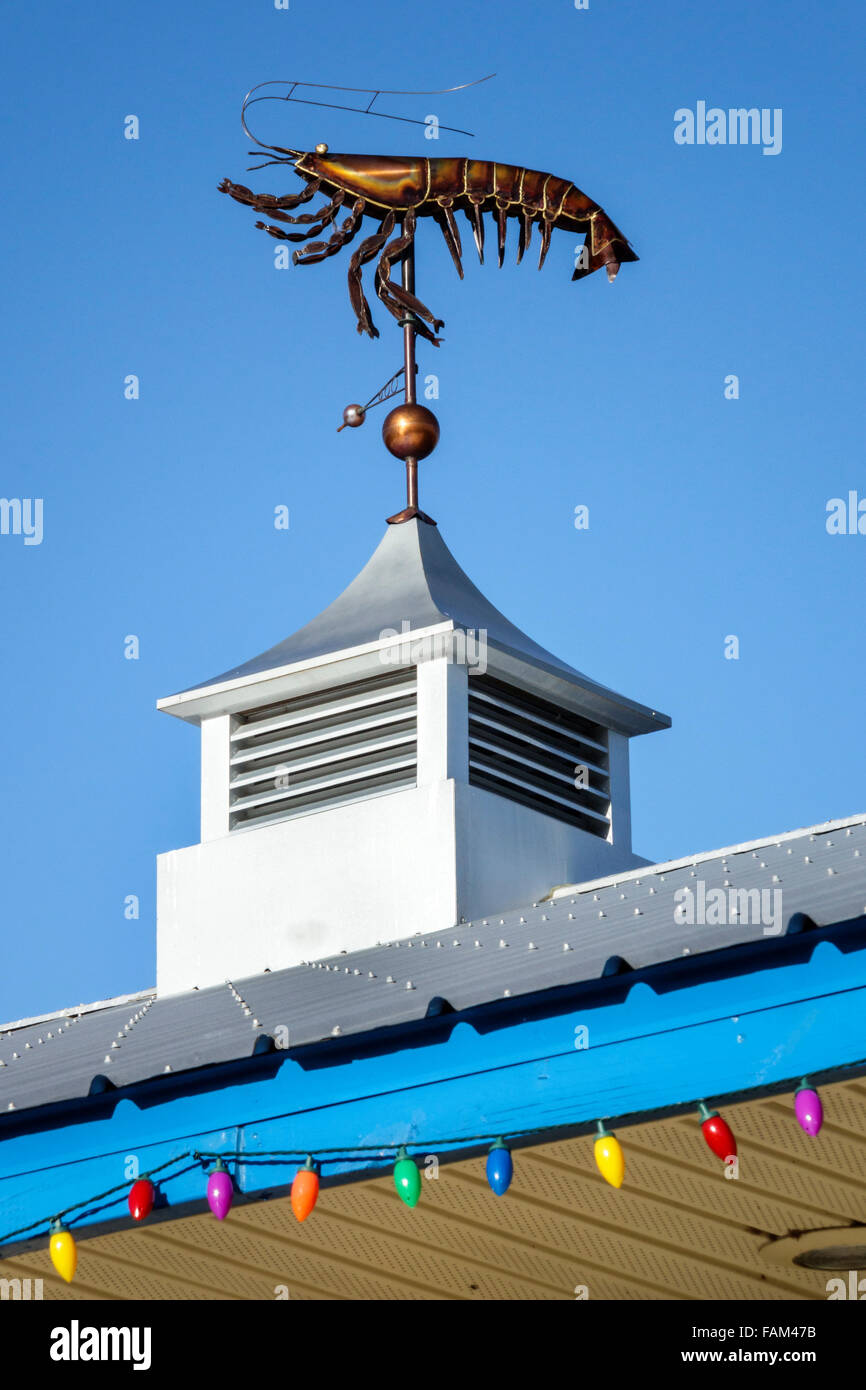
x,y
407,1178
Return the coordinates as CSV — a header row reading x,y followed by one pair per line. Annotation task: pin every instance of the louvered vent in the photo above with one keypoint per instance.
x,y
323,750
538,754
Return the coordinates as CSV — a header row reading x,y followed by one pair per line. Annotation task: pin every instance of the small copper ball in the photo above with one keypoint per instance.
x,y
354,415
321,149
410,431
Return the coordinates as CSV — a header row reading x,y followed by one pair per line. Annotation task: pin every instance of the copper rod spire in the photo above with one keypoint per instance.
x,y
399,427
410,369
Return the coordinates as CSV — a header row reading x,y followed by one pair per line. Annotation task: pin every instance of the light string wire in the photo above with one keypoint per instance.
x,y
326,1155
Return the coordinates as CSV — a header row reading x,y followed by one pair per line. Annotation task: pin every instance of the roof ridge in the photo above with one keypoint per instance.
x,y
78,1009
822,828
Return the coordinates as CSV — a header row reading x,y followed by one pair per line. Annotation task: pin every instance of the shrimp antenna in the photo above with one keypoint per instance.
x,y
372,92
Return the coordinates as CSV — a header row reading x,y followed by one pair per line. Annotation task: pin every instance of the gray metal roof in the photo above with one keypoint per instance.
x,y
412,578
561,941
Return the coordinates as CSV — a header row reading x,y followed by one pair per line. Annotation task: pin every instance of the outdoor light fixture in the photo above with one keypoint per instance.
x,y
219,1191
717,1133
840,1248
500,1168
64,1255
808,1108
141,1197
407,1178
609,1156
833,1257
305,1189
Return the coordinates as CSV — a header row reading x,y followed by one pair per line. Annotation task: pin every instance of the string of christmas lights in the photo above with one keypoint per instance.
x,y
607,1150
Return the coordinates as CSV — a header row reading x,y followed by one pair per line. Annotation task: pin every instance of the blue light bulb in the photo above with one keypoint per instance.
x,y
500,1168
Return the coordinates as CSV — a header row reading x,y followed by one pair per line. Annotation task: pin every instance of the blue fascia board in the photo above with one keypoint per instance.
x,y
657,1043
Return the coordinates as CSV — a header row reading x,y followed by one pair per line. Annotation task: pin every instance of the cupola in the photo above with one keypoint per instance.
x,y
407,760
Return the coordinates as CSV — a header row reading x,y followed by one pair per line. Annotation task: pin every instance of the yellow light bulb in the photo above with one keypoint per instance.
x,y
64,1255
610,1159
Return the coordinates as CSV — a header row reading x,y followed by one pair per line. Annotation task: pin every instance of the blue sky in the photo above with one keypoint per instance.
x,y
707,515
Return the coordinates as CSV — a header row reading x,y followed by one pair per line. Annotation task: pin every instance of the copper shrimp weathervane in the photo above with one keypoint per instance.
x,y
385,187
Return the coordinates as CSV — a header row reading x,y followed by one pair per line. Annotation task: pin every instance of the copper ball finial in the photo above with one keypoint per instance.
x,y
321,149
354,415
410,431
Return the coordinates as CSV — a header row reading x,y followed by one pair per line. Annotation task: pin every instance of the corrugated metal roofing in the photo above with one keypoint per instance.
x,y
566,940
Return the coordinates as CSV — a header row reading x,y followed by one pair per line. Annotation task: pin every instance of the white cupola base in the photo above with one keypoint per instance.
x,y
406,760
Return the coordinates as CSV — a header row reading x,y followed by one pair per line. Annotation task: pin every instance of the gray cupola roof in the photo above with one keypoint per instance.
x,y
412,582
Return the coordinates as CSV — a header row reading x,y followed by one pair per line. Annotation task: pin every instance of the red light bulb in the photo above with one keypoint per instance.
x,y
141,1197
717,1133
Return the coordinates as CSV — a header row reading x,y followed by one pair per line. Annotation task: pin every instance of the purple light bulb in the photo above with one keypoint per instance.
x,y
219,1191
808,1109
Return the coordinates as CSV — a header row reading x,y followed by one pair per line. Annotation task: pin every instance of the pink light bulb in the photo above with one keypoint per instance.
x,y
809,1110
219,1191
